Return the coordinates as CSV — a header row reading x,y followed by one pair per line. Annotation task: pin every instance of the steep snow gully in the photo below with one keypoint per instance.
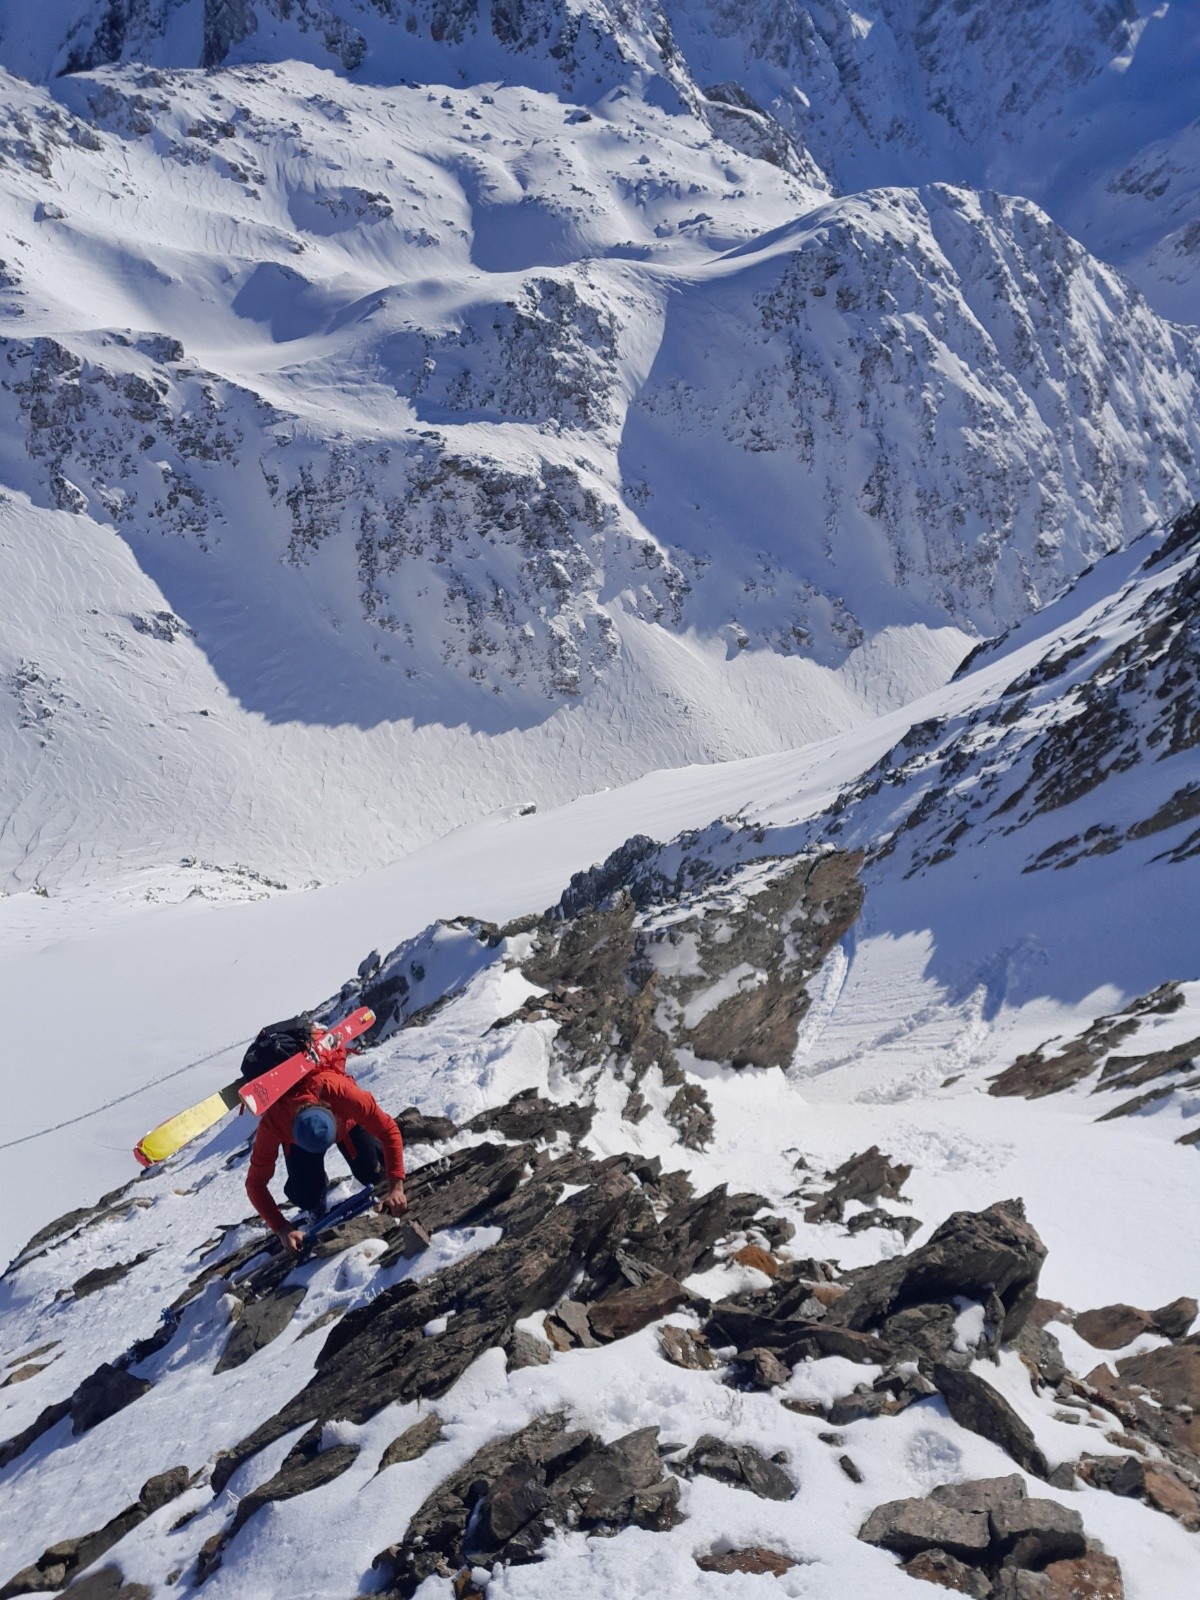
x,y
657,546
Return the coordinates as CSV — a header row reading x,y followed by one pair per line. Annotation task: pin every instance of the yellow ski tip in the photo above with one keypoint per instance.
x,y
172,1135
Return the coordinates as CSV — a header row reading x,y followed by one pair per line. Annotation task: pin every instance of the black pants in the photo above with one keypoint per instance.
x,y
306,1180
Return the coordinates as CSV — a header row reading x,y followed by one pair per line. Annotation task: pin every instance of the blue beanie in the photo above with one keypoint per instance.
x,y
314,1129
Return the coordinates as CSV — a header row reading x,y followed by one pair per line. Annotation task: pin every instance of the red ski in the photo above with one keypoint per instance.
x,y
271,1086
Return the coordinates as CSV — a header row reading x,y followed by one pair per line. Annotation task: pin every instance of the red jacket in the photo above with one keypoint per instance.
x,y
351,1105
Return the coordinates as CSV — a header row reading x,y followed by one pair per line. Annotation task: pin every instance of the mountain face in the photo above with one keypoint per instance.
x,y
1082,107
417,414
604,407
716,1266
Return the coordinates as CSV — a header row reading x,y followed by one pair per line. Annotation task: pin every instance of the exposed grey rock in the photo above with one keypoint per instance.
x,y
1039,1346
102,1277
1172,1373
1032,1533
975,1404
107,1584
1112,1327
378,1352
762,1369
972,1253
305,1467
525,1350
754,1559
740,1465
530,1116
260,1322
981,1494
1174,1320
505,1501
417,1127
910,1526
627,1310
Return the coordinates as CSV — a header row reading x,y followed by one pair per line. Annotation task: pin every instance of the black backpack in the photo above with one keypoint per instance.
x,y
275,1043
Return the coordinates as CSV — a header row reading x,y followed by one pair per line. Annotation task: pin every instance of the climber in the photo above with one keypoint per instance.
x,y
324,1108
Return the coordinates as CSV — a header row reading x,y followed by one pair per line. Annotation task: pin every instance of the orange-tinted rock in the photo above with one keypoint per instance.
x,y
753,1255
754,1559
1091,1577
1168,1493
1173,1373
1113,1327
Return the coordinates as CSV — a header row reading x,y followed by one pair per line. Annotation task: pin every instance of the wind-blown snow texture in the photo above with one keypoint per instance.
x,y
429,408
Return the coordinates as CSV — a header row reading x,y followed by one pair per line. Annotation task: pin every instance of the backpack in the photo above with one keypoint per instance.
x,y
275,1043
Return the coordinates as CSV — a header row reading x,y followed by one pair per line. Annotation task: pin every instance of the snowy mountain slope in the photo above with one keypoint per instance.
x,y
816,931
543,447
1085,108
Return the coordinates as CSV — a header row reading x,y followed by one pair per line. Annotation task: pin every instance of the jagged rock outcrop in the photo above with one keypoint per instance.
x,y
509,1497
988,1539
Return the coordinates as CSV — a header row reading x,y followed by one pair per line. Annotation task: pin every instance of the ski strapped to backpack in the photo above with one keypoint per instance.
x,y
271,1071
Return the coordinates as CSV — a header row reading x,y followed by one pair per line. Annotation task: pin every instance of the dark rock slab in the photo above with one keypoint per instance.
x,y
102,1277
1043,1351
46,1419
972,1254
529,1116
1174,1320
260,1322
982,1494
870,1175
1121,1475
101,1395
305,1467
504,1502
1112,1327
418,1128
691,1228
107,1584
378,1352
740,1465
975,1404
761,1369
922,1332
1095,1576
628,1310
683,1347
463,1187
524,1350
792,1339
